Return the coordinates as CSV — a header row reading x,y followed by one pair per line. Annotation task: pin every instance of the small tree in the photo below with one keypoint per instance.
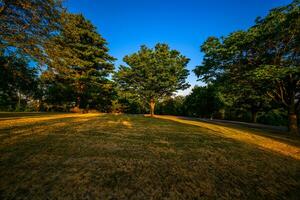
x,y
153,73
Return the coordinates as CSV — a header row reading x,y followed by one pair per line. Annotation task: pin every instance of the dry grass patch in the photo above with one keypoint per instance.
x,y
102,156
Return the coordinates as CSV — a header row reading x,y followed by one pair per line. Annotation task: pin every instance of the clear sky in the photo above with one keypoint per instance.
x,y
183,24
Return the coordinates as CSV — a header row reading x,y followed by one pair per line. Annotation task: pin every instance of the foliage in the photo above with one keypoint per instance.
x,y
205,101
82,70
278,38
153,74
172,106
27,26
18,82
259,64
276,117
130,103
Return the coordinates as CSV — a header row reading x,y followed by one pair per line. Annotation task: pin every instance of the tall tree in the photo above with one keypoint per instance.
x,y
26,26
84,62
264,60
277,42
229,61
153,73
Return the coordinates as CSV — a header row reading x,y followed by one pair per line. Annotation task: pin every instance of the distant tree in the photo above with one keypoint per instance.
x,y
130,103
153,74
18,82
172,106
205,101
26,26
84,63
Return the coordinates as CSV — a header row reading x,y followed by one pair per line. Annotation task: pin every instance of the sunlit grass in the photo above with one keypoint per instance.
x,y
247,136
103,156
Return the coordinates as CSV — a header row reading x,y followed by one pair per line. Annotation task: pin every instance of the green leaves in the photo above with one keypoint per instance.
x,y
18,82
83,62
258,63
153,73
27,26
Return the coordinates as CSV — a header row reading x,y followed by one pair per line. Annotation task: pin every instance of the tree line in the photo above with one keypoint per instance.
x,y
53,60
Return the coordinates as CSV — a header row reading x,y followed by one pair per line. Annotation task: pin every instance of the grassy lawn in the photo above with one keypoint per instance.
x,y
104,156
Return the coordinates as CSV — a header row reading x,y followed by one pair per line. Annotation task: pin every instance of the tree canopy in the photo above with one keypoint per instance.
x,y
27,26
84,63
18,82
153,73
260,63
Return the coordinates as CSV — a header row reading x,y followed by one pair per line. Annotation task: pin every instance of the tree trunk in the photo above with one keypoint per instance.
x,y
253,116
78,102
18,107
293,122
222,113
152,106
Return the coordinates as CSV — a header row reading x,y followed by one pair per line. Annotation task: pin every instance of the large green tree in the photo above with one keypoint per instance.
x,y
264,60
277,44
84,62
26,26
229,61
153,74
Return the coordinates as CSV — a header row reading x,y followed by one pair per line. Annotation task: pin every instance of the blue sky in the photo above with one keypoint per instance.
x,y
183,24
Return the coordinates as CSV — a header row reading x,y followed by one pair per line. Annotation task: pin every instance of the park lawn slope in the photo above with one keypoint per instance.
x,y
105,156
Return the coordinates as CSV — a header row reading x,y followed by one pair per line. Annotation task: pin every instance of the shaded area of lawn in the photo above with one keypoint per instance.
x,y
90,156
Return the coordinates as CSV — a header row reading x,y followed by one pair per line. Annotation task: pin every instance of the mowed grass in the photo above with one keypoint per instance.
x,y
105,156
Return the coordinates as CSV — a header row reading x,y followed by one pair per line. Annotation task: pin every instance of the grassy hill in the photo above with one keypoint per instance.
x,y
105,156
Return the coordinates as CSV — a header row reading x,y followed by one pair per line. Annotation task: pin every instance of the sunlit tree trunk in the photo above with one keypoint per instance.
x,y
152,106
